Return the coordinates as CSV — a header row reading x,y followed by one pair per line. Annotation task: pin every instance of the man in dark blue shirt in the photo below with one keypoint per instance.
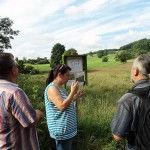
x,y
125,121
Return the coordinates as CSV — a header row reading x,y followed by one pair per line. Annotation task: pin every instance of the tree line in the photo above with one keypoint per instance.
x,y
38,60
126,52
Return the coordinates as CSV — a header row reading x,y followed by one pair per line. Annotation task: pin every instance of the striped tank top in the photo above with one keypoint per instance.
x,y
62,125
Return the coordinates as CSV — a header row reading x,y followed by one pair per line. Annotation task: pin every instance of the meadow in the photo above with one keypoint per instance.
x,y
92,63
41,67
107,82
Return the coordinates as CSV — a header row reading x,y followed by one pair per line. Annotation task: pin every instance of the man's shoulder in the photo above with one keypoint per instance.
x,y
10,87
14,89
132,97
130,102
127,97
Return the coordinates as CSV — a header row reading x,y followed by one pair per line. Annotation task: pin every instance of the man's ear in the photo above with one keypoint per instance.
x,y
13,70
136,72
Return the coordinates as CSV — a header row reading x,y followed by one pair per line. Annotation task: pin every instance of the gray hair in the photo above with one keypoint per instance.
x,y
142,63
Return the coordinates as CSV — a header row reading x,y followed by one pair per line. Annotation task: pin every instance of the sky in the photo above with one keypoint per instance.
x,y
85,25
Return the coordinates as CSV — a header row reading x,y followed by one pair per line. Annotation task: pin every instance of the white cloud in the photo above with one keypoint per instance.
x,y
86,9
130,36
83,25
25,13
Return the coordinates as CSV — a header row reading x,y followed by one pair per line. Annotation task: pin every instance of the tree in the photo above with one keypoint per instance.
x,y
21,66
6,33
137,47
57,53
91,53
139,52
24,59
123,56
100,54
71,51
105,59
16,59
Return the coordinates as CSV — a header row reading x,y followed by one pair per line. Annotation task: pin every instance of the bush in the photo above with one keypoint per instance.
x,y
30,70
99,54
105,59
35,71
26,69
123,56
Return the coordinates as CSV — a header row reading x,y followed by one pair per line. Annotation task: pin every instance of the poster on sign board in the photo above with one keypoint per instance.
x,y
78,65
75,63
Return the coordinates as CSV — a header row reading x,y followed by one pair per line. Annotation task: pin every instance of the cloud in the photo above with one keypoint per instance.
x,y
84,25
130,36
85,9
25,13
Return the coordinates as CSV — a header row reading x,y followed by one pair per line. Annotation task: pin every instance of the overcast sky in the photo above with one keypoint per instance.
x,y
86,25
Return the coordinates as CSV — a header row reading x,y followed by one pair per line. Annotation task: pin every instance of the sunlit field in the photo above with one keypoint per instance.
x,y
41,67
93,62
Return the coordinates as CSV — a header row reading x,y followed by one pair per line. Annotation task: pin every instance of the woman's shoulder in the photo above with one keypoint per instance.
x,y
51,85
52,88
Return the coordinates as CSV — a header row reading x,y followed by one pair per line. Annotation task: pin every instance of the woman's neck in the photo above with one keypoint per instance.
x,y
58,83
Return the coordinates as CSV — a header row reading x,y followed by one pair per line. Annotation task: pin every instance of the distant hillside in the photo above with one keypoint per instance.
x,y
135,47
143,45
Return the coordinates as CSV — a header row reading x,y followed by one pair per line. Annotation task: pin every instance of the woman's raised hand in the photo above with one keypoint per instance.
x,y
80,93
74,87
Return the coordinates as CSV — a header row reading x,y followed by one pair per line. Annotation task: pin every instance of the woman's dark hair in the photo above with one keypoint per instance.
x,y
62,68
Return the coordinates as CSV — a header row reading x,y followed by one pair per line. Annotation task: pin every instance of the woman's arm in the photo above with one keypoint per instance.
x,y
55,96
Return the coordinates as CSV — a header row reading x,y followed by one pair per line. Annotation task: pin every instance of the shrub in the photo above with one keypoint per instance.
x,y
26,69
123,56
105,59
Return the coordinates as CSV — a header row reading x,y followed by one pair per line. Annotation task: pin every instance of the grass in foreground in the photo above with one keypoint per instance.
x,y
95,109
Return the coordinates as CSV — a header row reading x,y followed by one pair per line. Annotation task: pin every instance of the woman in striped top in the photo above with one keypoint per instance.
x,y
60,110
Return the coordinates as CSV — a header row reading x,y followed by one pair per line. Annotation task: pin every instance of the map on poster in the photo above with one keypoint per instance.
x,y
77,76
75,63
77,72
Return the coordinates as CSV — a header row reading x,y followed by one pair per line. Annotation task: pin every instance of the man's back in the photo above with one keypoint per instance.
x,y
142,140
128,112
126,120
16,115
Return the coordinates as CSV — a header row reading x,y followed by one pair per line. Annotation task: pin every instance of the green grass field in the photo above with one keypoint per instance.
x,y
41,67
107,82
95,62
92,63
